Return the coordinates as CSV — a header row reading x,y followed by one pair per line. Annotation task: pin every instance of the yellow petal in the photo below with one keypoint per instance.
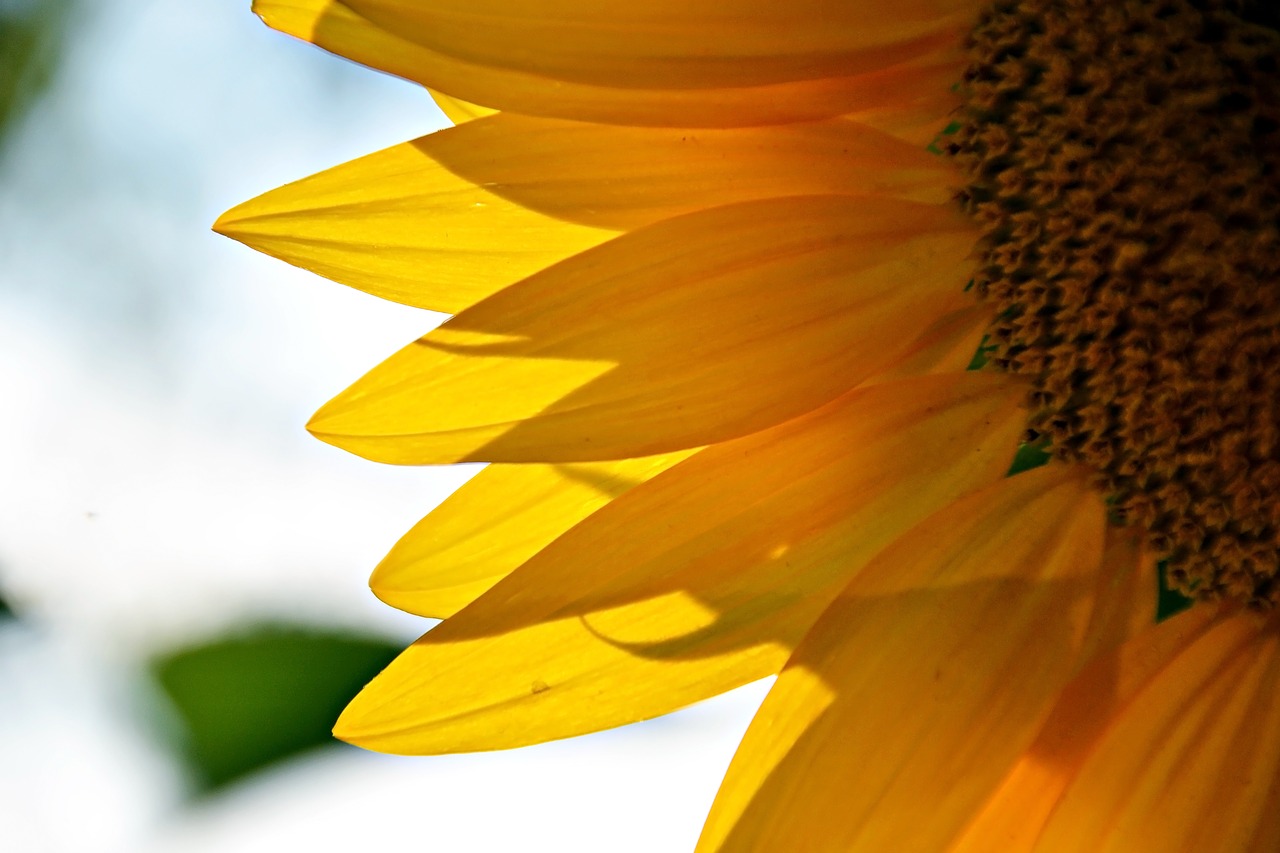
x,y
497,520
694,582
925,679
682,334
457,110
1191,762
1013,818
623,178
402,226
665,67
449,219
671,43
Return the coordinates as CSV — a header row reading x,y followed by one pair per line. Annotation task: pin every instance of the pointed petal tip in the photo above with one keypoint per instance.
x,y
268,11
225,225
388,585
347,730
334,429
397,598
380,447
322,428
234,223
326,425
318,432
343,442
339,732
359,725
376,721
389,589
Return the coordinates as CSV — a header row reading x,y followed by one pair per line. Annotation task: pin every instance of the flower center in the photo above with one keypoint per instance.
x,y
1123,160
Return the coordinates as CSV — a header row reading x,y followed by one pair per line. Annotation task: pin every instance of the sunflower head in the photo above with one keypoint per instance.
x,y
1123,160
711,328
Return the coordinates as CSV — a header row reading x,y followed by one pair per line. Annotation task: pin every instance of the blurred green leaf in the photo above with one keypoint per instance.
x,y
31,41
6,611
252,699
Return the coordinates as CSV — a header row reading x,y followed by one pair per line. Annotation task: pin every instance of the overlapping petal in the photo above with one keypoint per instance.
x,y
665,43
403,227
499,519
1188,761
700,297
1015,815
694,330
696,581
647,64
416,223
947,345
924,680
1126,600
507,513
457,110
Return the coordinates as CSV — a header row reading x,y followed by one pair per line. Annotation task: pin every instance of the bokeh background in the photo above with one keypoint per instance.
x,y
182,569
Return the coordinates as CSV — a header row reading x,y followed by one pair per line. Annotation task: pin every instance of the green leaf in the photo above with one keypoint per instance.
x,y
250,700
32,33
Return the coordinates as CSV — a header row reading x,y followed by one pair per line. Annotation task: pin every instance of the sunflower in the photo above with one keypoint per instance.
x,y
910,350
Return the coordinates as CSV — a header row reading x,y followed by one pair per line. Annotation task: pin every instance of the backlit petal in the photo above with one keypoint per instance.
x,y
694,582
1014,816
1127,594
457,110
665,42
691,331
924,680
401,226
1192,761
659,69
416,223
925,94
946,346
497,520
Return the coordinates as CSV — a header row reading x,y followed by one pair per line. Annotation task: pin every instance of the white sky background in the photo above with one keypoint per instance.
x,y
158,485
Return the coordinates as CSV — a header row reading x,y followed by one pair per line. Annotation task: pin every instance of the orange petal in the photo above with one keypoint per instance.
x,y
923,98
694,582
946,346
924,680
1127,594
1014,816
708,65
1191,761
672,44
621,178
497,520
691,331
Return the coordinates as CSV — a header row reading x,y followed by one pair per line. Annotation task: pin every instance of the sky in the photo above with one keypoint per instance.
x,y
160,488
